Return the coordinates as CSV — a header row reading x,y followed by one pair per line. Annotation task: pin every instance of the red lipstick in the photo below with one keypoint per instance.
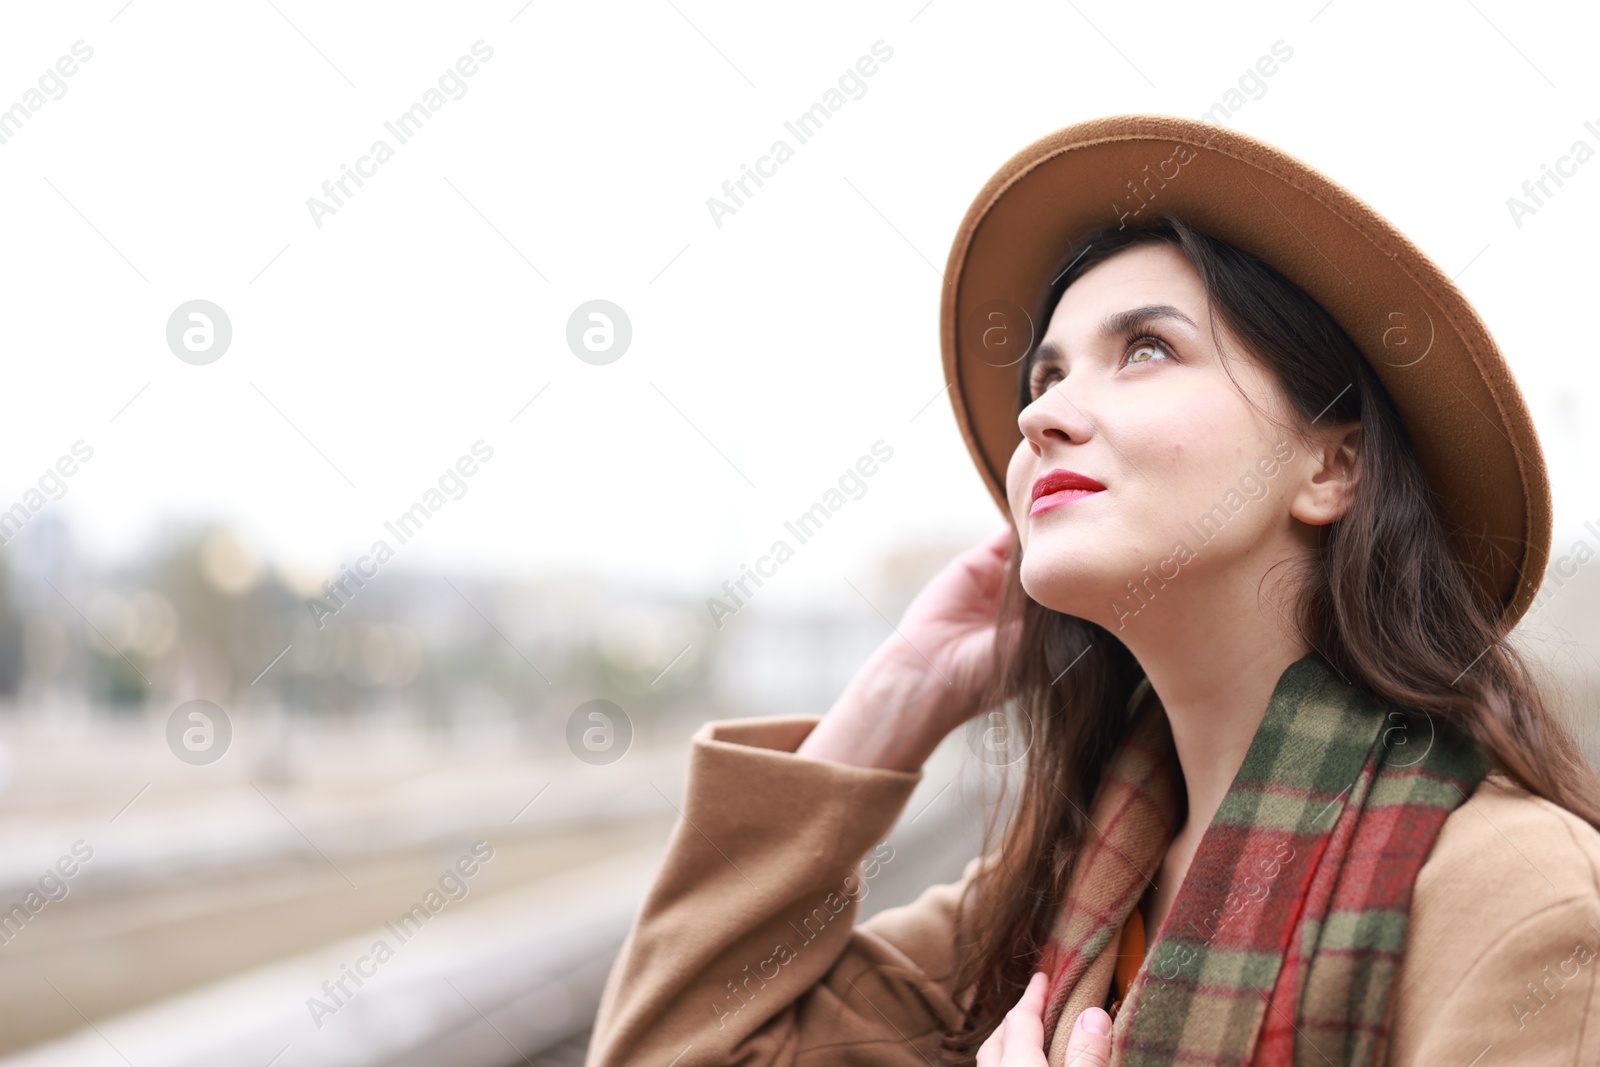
x,y
1059,486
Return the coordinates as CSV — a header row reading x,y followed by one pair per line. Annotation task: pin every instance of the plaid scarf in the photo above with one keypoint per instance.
x,y
1284,941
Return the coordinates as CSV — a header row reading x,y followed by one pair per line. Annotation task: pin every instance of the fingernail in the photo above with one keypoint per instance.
x,y
1097,1023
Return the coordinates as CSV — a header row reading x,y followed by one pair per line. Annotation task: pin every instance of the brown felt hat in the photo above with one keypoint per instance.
x,y
1466,417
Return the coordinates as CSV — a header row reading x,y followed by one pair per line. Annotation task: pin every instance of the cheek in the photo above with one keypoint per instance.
x,y
1193,461
1218,480
1018,486
1200,447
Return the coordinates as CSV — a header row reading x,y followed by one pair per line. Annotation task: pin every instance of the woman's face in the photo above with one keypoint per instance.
x,y
1130,391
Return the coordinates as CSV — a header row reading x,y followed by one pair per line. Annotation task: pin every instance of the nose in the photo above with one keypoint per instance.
x,y
1054,419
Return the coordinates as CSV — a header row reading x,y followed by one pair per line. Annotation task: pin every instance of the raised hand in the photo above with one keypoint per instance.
x,y
950,627
925,680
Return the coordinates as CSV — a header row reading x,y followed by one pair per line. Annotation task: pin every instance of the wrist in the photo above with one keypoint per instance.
x,y
888,717
907,687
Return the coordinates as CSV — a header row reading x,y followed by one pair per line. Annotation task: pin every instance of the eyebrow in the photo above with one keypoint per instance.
x,y
1117,323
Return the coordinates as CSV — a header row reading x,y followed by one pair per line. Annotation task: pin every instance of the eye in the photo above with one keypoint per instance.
x,y
1145,349
1043,378
1137,348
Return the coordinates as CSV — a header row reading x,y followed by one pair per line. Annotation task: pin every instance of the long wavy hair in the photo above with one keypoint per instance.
x,y
1385,599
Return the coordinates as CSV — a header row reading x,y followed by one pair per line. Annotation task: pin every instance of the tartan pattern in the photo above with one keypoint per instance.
x,y
1284,941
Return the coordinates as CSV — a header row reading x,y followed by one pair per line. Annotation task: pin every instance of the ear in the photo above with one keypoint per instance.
x,y
1331,471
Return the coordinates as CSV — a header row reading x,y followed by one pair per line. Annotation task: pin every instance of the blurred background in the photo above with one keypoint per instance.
x,y
367,511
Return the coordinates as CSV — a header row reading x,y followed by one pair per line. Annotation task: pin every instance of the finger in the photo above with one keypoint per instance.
x,y
992,1050
1025,1025
1090,1043
1033,996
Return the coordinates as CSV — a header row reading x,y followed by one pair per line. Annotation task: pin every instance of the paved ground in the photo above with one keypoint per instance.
x,y
112,951
215,905
198,873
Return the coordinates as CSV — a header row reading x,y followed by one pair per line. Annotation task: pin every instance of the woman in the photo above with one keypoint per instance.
x,y
1250,614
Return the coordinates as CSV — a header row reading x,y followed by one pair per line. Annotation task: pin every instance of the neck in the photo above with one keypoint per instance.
x,y
1213,665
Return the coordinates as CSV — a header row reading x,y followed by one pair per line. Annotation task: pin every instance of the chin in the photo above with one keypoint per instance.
x,y
1047,577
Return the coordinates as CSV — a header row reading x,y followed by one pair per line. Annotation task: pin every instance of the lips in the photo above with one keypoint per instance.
x,y
1059,486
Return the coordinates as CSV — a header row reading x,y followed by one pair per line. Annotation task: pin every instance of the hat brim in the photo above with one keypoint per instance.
x,y
1470,426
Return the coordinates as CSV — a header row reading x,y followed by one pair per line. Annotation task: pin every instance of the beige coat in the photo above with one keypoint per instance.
x,y
745,949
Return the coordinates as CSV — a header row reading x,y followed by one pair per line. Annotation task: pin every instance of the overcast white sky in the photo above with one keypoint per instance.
x,y
767,354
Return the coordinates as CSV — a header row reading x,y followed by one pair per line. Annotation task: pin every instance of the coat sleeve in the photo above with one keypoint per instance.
x,y
745,949
1503,951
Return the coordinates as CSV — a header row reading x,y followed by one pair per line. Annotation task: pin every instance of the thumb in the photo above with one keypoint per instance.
x,y
1090,1044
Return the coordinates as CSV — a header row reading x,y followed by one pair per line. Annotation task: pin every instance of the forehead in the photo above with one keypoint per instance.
x,y
1146,274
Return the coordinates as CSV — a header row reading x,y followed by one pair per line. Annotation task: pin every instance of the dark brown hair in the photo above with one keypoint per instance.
x,y
1385,599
